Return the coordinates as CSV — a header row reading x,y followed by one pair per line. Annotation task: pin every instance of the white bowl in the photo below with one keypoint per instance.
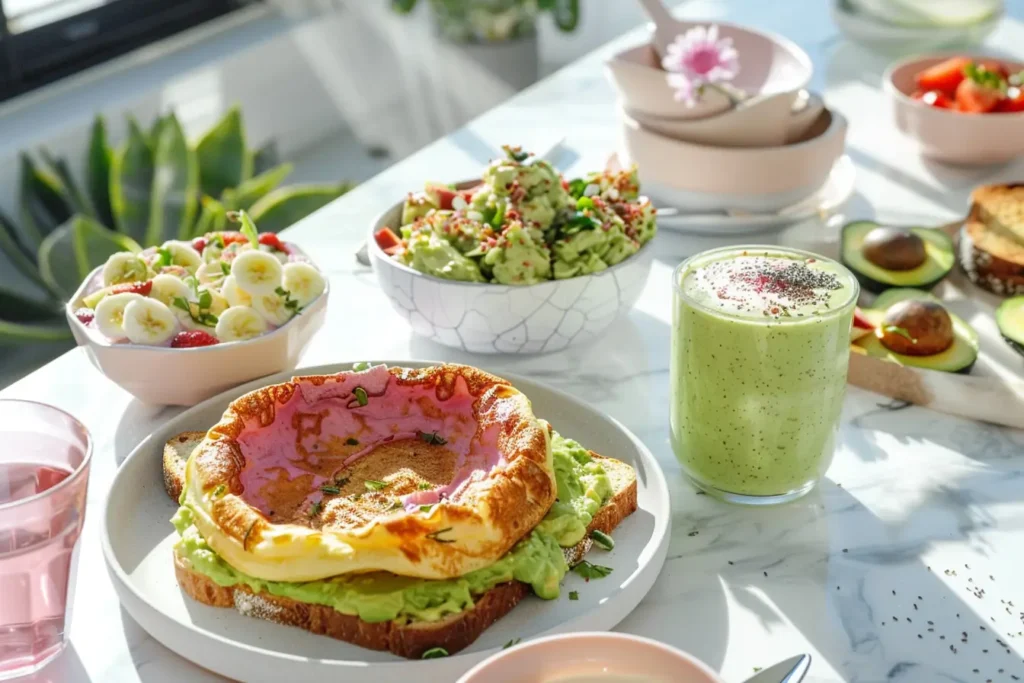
x,y
754,179
491,318
891,38
183,377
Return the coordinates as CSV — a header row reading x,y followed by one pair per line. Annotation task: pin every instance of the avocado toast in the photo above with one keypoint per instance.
x,y
402,611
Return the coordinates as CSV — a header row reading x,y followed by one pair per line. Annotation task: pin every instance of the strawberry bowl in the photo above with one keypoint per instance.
x,y
171,340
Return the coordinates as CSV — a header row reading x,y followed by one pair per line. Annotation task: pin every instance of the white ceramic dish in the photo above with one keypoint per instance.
x,y
896,39
164,376
492,318
827,200
137,539
700,178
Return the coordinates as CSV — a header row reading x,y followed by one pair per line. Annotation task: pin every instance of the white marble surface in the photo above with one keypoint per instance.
x,y
918,511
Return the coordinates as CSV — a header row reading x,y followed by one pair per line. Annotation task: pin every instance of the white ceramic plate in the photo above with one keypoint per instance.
x,y
137,540
898,39
836,190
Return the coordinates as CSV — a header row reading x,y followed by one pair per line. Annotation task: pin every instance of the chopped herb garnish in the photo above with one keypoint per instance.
x,y
426,508
165,257
361,396
330,490
591,571
435,535
425,486
352,441
893,329
602,540
361,366
517,154
205,299
179,302
374,485
289,303
435,653
317,507
577,186
511,643
340,481
219,491
574,595
248,228
225,268
433,438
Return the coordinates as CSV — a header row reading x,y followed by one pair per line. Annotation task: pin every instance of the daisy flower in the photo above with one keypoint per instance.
x,y
698,58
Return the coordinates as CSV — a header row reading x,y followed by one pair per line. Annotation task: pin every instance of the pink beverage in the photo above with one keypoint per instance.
x,y
44,468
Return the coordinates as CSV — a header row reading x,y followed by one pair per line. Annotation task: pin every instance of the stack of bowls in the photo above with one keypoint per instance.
x,y
771,150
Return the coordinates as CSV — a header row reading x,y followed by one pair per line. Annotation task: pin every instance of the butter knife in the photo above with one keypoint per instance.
x,y
792,670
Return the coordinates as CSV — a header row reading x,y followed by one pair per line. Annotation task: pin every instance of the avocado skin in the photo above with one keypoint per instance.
x,y
849,256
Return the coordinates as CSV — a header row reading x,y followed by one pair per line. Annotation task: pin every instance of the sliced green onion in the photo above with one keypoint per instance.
x,y
602,540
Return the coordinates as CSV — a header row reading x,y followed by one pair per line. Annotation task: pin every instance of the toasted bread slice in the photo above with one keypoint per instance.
x,y
176,452
404,638
992,239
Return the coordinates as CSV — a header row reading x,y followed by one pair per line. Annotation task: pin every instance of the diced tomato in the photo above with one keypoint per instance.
x,y
935,98
269,239
859,320
944,76
199,244
1014,101
974,98
387,240
141,288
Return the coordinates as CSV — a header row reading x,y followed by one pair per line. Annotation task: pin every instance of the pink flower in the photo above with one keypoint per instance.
x,y
697,58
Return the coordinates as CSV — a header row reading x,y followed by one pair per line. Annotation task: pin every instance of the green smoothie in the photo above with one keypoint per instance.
x,y
760,348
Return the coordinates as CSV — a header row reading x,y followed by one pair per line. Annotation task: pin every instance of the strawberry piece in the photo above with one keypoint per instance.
x,y
935,98
995,67
387,239
975,98
232,237
141,288
85,315
191,339
859,320
199,244
945,76
1014,101
271,240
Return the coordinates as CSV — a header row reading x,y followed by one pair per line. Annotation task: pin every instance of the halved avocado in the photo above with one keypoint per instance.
x,y
1010,319
959,357
939,257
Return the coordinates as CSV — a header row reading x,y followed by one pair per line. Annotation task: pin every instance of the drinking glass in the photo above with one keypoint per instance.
x,y
44,474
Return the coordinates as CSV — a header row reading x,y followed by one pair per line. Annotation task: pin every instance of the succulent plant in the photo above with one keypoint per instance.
x,y
155,187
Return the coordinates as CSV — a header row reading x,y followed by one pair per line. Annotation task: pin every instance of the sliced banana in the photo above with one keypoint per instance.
x,y
238,323
124,267
304,282
110,314
148,321
233,293
182,254
257,272
272,308
211,273
166,288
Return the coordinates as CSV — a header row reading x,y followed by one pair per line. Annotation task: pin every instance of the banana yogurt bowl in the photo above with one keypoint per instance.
x,y
226,307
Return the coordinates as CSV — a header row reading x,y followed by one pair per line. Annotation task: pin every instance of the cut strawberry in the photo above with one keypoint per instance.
x,y
387,239
995,67
271,240
944,76
232,237
199,244
85,315
859,320
935,98
1014,101
191,339
141,288
975,98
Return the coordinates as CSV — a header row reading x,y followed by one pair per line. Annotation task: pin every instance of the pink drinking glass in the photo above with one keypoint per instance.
x,y
44,474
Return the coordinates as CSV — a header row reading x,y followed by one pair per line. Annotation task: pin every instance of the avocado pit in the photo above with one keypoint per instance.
x,y
894,248
916,328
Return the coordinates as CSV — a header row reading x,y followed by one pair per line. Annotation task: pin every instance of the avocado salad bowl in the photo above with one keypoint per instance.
x,y
522,261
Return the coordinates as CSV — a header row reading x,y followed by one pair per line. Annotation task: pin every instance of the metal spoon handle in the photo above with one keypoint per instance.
x,y
792,670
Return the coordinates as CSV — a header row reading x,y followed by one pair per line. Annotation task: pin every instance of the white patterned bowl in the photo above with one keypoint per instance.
x,y
490,318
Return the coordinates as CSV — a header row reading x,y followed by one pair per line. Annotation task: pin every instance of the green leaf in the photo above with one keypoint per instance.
x,y
17,253
254,189
131,184
75,249
74,198
222,157
12,333
403,6
97,171
591,571
154,130
567,14
15,307
213,218
42,203
288,205
175,184
265,158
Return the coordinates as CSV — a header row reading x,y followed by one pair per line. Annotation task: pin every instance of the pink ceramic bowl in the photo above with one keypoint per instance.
x,y
577,657
952,136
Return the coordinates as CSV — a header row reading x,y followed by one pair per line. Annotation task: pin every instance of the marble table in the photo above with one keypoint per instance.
x,y
905,565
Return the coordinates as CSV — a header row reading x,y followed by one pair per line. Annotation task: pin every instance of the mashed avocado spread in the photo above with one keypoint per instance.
x,y
583,487
525,224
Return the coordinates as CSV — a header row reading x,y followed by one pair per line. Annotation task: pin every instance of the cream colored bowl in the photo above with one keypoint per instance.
x,y
952,136
579,657
704,178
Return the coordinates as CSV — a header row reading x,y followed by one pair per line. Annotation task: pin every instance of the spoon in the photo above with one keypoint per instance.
x,y
792,670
